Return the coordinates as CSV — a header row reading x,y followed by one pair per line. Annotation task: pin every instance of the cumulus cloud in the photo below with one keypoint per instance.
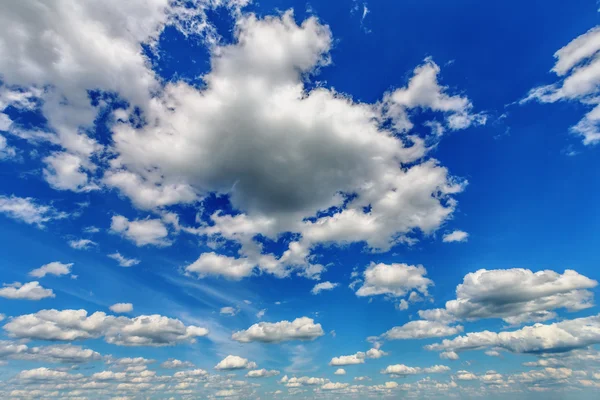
x,y
518,295
358,358
340,371
29,211
121,308
69,325
58,353
55,268
212,264
319,287
28,291
141,231
235,362
578,68
455,236
403,370
303,328
124,261
231,311
82,244
539,338
261,373
173,363
421,330
393,280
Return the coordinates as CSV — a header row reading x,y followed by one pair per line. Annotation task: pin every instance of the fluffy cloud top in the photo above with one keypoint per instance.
x,y
28,291
403,370
54,268
303,328
262,373
455,236
519,294
121,308
319,287
554,338
234,362
69,325
141,232
393,280
421,330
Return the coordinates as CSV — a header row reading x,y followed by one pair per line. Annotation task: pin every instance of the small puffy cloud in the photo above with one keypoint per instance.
x,y
212,264
403,370
261,313
173,363
29,211
54,268
6,151
67,171
449,355
456,236
421,330
465,376
492,353
28,291
334,386
358,358
303,328
121,308
340,371
231,311
539,338
124,261
393,280
70,325
82,244
262,373
235,362
142,232
319,287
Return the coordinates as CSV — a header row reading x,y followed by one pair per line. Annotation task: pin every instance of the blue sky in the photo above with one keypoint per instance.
x,y
282,199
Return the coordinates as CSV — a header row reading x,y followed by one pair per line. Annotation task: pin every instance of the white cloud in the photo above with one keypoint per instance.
x,y
319,287
173,363
124,261
59,353
455,236
231,311
55,268
421,330
403,370
539,338
261,313
518,295
27,291
465,376
449,355
82,244
29,211
358,358
69,325
6,151
46,374
142,232
235,362
212,264
578,67
66,171
262,373
303,328
393,280
340,371
121,308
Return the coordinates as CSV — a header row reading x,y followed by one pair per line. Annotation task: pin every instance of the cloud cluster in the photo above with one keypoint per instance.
x,y
234,362
70,325
394,280
29,211
25,291
578,68
303,328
